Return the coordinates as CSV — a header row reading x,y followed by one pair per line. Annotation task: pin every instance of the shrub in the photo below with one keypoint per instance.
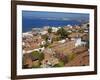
x,y
41,56
41,46
36,64
81,31
60,64
38,55
56,38
49,46
63,33
49,30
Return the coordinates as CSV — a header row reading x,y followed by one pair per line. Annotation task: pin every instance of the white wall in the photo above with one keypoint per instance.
x,y
5,54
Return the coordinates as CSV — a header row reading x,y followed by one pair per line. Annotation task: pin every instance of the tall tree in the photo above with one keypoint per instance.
x,y
49,30
62,32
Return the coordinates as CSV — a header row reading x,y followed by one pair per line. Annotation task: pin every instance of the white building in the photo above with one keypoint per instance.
x,y
43,32
79,42
27,34
86,31
62,41
54,29
69,26
78,39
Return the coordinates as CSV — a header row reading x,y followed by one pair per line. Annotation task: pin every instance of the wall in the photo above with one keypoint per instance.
x,y
5,44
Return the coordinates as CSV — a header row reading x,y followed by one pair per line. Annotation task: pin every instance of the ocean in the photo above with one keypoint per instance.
x,y
28,24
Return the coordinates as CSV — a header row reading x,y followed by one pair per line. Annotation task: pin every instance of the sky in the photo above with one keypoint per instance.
x,y
54,15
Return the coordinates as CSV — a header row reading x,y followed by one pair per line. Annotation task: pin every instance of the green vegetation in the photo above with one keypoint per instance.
x,y
63,33
49,30
36,64
56,38
38,55
49,46
60,64
41,46
81,31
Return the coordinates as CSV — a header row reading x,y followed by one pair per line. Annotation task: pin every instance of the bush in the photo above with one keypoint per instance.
x,y
81,31
63,33
49,30
56,38
41,56
38,55
36,64
41,46
49,46
60,64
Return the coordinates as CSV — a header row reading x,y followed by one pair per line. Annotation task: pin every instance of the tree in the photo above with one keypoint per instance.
x,y
49,30
63,33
